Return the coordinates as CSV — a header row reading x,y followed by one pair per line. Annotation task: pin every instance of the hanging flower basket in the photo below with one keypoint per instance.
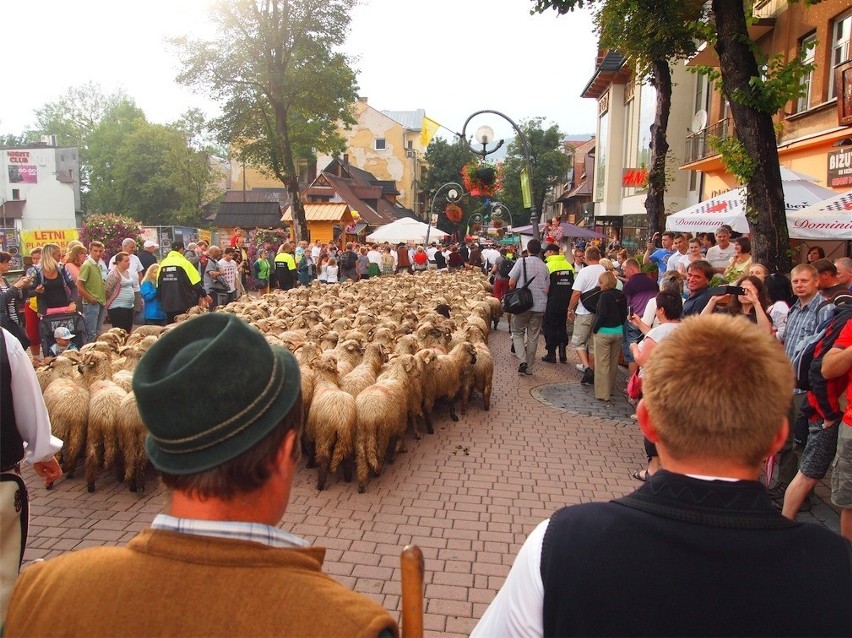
x,y
497,223
481,179
454,213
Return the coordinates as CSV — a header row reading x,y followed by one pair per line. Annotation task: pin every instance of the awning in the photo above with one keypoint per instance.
x,y
356,229
321,212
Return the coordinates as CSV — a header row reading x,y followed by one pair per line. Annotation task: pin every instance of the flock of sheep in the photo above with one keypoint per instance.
x,y
376,357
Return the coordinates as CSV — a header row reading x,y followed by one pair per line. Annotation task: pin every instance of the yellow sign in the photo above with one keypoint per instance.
x,y
206,235
34,238
525,188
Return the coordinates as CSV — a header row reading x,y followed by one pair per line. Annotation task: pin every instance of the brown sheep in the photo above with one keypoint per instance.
x,y
104,400
349,355
329,436
447,379
382,415
365,373
131,441
67,404
482,373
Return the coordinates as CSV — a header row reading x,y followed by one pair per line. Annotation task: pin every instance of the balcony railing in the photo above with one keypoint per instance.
x,y
698,144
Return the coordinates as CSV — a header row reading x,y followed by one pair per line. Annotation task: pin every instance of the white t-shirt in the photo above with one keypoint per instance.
x,y
719,258
585,280
675,259
375,257
229,273
135,265
331,274
430,253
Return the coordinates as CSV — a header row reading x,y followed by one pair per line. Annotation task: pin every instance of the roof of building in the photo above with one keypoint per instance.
x,y
412,120
361,191
279,195
247,215
322,212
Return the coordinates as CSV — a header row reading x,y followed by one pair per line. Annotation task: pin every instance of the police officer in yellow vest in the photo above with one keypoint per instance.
x,y
285,267
558,295
179,284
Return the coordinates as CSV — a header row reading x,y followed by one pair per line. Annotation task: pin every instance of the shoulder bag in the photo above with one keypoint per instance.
x,y
519,299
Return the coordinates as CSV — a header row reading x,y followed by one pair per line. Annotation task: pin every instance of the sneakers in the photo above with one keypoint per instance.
x,y
581,367
522,369
588,377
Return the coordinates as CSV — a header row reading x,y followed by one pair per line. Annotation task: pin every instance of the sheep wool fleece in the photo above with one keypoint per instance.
x,y
171,584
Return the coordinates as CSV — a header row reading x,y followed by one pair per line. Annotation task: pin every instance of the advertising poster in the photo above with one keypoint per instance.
x,y
23,174
32,238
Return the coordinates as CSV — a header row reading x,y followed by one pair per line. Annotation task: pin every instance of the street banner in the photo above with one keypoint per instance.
x,y
427,131
34,238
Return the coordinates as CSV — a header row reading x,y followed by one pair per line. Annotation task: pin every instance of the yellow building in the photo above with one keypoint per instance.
x,y
388,145
327,221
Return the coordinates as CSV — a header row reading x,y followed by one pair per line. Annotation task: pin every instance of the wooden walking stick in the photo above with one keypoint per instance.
x,y
411,561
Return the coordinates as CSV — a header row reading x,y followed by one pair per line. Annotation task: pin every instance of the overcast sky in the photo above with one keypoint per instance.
x,y
449,57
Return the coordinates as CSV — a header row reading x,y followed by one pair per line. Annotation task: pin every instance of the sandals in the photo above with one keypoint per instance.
x,y
640,475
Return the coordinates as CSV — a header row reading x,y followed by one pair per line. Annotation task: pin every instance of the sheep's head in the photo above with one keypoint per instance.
x,y
95,365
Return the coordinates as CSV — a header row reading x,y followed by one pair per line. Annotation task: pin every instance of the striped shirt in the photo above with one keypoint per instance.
x,y
234,530
802,322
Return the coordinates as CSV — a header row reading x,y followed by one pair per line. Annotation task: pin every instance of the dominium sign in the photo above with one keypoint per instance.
x,y
840,167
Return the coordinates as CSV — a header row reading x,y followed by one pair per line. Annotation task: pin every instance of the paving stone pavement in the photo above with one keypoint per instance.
x,y
467,495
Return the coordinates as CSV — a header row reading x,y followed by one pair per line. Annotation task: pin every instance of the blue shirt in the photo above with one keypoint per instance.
x,y
661,258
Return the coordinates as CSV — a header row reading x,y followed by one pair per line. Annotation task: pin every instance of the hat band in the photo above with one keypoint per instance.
x,y
260,405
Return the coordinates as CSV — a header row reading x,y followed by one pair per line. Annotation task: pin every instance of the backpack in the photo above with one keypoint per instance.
x,y
804,358
824,394
349,260
590,299
505,267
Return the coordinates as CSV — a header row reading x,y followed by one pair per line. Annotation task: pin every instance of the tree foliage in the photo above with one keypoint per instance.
x,y
650,34
549,162
282,86
110,230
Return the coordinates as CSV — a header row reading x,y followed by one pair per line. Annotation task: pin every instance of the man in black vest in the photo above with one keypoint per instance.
x,y
23,419
699,549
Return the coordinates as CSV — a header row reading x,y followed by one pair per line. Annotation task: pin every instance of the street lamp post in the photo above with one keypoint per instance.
x,y
485,135
454,193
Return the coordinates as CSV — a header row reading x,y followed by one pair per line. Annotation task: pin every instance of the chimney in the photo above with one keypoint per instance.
x,y
363,99
346,158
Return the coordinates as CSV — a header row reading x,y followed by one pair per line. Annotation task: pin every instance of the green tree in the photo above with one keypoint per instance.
x,y
283,88
549,166
756,88
445,160
650,34
103,142
73,117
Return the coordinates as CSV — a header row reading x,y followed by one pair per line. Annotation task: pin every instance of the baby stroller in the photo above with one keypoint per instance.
x,y
71,320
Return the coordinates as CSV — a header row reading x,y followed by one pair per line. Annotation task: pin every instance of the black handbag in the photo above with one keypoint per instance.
x,y
519,299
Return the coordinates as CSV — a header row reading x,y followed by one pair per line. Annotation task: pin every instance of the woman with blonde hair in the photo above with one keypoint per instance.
x,y
610,267
608,331
53,284
154,314
74,258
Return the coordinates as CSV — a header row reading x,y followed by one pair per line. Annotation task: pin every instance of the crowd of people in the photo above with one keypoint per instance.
x,y
699,516
617,314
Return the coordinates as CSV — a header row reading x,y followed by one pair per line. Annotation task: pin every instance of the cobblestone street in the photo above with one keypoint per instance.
x,y
467,495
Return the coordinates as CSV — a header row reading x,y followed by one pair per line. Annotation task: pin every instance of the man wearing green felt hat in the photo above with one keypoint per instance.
x,y
216,563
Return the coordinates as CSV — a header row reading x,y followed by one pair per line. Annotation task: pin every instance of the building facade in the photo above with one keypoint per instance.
x,y
814,131
622,152
39,187
388,145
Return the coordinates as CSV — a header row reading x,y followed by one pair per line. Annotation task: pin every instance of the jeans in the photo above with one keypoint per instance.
x,y
631,335
93,315
525,330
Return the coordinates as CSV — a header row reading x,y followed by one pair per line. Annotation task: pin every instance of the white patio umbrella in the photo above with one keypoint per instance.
x,y
405,230
828,219
800,191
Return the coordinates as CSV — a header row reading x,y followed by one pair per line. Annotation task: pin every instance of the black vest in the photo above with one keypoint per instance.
x,y
681,556
11,444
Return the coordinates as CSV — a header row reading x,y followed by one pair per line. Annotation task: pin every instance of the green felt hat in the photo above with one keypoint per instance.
x,y
209,390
